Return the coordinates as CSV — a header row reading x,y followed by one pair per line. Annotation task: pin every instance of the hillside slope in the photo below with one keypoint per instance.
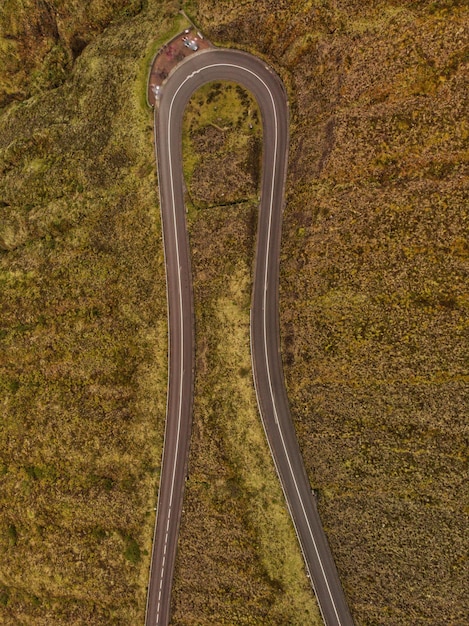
x,y
374,274
374,316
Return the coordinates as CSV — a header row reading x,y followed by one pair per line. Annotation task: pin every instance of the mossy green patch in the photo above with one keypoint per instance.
x,y
222,142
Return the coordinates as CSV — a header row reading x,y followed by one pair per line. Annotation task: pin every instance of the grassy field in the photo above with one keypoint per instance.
x,y
83,335
222,144
374,301
236,532
374,313
374,286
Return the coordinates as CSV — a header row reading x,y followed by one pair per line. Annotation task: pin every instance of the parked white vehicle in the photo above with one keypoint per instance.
x,y
190,43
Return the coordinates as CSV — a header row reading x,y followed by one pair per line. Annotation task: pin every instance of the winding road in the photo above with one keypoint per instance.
x,y
264,84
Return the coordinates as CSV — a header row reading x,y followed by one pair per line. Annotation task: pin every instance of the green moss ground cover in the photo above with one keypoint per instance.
x,y
83,335
373,314
236,532
374,306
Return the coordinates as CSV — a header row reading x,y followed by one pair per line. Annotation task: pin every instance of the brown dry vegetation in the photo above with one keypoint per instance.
x,y
374,297
373,315
222,146
41,39
238,560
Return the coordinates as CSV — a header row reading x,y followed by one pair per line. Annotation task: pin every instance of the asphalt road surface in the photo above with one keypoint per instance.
x,y
269,92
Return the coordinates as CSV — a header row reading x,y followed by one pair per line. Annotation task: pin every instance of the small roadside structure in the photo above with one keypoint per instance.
x,y
188,42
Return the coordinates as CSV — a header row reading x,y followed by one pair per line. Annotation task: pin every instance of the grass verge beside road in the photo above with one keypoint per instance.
x,y
374,308
239,561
